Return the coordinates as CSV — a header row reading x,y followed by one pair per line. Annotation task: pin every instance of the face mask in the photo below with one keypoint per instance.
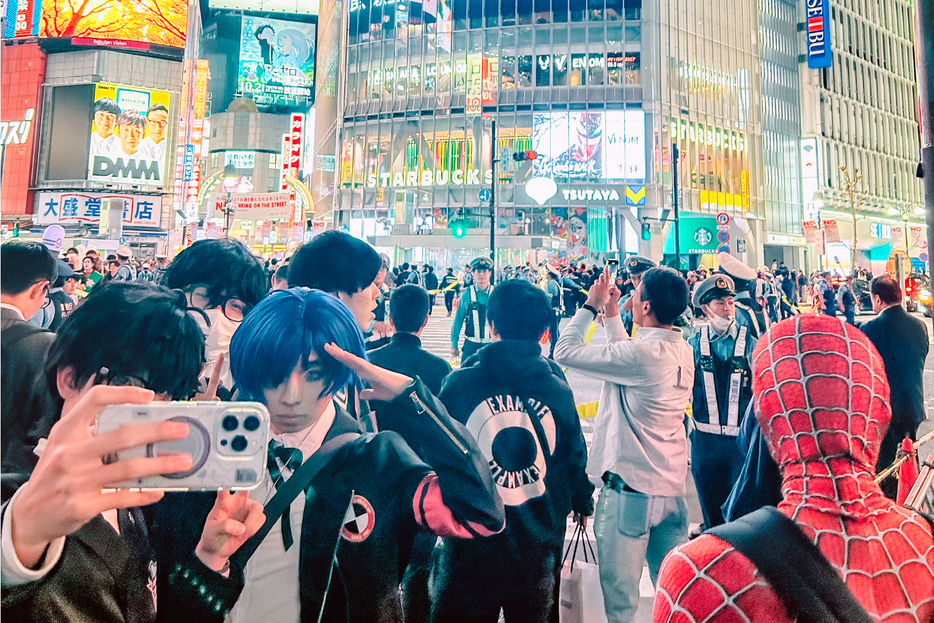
x,y
217,340
720,324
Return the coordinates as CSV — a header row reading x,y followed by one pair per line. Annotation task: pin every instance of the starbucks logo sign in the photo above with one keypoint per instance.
x,y
703,236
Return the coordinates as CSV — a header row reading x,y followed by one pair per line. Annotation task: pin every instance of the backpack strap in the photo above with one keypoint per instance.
x,y
800,575
298,482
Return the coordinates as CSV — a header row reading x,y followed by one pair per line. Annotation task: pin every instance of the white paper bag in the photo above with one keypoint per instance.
x,y
581,598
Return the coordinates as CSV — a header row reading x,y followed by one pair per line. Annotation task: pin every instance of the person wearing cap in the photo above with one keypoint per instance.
x,y
722,391
125,272
472,309
847,300
748,311
826,295
636,265
62,294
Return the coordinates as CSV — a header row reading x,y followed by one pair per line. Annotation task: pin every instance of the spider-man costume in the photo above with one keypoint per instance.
x,y
822,401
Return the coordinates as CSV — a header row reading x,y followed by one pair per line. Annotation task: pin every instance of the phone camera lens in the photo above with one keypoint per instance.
x,y
251,423
239,443
230,423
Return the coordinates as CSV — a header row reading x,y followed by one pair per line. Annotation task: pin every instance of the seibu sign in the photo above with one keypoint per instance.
x,y
457,177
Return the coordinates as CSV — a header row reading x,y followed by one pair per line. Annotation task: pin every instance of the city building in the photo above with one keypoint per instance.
x,y
600,90
859,111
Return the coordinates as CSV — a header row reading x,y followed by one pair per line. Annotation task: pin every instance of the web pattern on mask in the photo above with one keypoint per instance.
x,y
822,401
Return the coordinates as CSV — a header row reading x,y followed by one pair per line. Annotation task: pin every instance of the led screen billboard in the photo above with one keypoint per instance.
x,y
22,18
118,23
277,63
590,145
128,135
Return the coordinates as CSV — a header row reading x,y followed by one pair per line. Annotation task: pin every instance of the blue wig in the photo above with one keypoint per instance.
x,y
283,330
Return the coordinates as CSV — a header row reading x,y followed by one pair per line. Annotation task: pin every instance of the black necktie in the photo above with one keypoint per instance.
x,y
291,458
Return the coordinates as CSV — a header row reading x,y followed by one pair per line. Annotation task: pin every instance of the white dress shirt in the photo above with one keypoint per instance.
x,y
270,591
647,384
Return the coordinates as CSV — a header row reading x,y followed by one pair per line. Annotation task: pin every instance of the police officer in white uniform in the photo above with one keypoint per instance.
x,y
722,391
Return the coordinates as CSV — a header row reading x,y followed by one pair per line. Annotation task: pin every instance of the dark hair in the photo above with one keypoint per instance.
x,y
283,330
408,308
405,265
132,329
106,104
156,107
282,273
22,264
131,117
666,291
518,310
886,289
334,262
224,265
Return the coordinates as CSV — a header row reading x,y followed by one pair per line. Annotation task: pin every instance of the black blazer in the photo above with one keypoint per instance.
x,y
405,355
902,340
24,394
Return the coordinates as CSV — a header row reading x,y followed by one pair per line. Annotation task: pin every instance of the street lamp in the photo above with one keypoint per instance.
x,y
228,179
849,187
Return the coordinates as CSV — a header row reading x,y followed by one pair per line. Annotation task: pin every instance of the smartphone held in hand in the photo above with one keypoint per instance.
x,y
226,440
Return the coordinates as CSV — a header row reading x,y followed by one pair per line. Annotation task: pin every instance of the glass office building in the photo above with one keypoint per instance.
x,y
599,89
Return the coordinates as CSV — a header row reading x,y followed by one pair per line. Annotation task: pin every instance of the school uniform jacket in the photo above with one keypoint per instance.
x,y
393,494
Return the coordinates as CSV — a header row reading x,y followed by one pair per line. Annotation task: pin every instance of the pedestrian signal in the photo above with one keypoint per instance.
x,y
646,231
521,156
458,228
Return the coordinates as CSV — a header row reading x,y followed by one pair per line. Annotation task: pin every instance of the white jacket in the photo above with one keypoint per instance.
x,y
648,380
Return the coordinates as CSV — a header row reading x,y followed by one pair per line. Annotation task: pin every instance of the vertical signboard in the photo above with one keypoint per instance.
x,y
23,71
295,163
818,34
286,162
22,18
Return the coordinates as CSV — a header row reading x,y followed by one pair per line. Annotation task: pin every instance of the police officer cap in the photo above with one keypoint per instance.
x,y
734,268
482,263
712,288
124,251
636,264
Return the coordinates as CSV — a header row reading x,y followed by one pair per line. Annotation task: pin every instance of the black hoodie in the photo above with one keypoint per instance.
x,y
522,413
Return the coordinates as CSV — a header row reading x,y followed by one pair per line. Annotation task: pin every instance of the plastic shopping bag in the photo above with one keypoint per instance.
x,y
580,597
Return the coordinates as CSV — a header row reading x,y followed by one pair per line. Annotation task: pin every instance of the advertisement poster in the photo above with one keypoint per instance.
x,y
590,145
277,62
118,23
128,135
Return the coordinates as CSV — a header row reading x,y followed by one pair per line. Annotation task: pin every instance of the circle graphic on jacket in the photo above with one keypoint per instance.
x,y
359,520
508,439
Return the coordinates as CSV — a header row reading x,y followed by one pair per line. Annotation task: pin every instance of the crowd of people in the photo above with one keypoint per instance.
x,y
401,489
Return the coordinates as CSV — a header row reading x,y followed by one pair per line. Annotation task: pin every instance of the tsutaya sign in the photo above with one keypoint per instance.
x,y
590,194
457,177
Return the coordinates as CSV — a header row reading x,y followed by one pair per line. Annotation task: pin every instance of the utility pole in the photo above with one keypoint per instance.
x,y
674,200
849,187
924,50
493,161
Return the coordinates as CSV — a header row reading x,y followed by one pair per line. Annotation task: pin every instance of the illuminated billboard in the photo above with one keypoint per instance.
x,y
22,18
128,135
277,63
590,145
119,23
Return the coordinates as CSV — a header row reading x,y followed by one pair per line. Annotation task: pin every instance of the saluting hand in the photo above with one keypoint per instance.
x,y
384,384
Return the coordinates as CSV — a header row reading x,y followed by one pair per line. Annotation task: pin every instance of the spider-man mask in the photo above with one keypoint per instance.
x,y
821,394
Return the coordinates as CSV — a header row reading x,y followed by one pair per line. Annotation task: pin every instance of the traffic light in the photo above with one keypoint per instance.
x,y
646,230
16,229
458,228
521,156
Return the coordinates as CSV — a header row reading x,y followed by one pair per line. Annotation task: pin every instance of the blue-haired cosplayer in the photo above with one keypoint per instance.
x,y
355,524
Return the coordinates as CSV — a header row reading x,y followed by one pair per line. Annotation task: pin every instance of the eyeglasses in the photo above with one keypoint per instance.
x,y
234,309
161,124
47,301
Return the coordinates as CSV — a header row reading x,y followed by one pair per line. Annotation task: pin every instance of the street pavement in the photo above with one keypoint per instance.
x,y
436,338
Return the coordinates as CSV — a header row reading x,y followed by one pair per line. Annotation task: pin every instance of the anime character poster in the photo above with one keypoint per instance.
x,y
277,62
571,224
569,145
